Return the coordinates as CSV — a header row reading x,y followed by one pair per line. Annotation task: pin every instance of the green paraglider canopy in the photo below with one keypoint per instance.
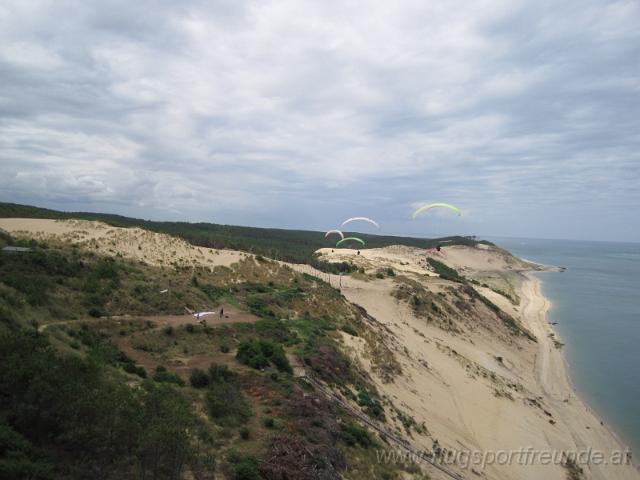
x,y
429,206
356,239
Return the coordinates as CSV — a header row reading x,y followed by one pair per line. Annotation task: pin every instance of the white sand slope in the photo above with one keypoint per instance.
x,y
134,243
456,384
398,257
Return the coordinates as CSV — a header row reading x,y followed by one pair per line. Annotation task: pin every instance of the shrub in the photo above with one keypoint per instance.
x,y
247,469
349,329
259,307
134,369
372,405
445,271
163,376
168,330
245,433
224,348
198,378
220,373
190,328
214,293
106,268
249,353
226,404
353,435
259,353
279,359
269,422
329,363
96,312
272,328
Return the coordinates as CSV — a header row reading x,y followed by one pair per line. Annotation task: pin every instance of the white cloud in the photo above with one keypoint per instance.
x,y
320,105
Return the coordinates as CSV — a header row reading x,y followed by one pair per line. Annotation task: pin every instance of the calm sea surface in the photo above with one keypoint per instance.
x,y
596,303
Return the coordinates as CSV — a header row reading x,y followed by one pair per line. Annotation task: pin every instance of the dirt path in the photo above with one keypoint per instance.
x,y
232,315
182,365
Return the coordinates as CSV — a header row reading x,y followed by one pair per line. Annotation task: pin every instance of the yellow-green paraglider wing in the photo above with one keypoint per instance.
x,y
429,206
356,239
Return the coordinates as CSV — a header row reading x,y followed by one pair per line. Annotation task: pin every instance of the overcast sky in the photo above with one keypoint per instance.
x,y
299,114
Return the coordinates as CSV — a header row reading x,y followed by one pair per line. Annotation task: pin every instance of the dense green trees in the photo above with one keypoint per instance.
x,y
94,423
260,353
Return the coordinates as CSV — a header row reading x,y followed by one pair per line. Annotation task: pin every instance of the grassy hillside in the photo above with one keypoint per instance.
x,y
296,246
93,383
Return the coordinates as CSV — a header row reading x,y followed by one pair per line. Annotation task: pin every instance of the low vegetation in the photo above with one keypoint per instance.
x,y
512,324
66,318
445,271
261,353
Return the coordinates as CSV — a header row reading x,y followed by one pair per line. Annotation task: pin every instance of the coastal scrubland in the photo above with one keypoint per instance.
x,y
106,369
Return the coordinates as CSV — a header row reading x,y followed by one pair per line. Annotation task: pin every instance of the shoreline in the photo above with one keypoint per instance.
x,y
580,395
558,364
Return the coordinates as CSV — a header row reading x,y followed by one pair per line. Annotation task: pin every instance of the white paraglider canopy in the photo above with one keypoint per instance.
x,y
337,232
360,219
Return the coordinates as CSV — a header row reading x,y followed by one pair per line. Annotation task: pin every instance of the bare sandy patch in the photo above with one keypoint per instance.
x,y
155,249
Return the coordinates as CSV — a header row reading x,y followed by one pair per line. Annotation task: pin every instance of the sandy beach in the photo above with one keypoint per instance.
x,y
554,379
475,382
527,402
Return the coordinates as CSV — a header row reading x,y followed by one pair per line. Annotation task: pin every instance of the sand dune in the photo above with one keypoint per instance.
x,y
156,249
475,386
480,392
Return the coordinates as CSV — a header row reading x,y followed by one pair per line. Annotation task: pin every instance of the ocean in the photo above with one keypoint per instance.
x,y
596,303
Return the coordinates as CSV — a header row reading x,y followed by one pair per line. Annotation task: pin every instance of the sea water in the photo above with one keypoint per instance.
x,y
596,303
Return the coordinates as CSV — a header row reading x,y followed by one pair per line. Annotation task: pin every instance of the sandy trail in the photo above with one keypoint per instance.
x,y
231,315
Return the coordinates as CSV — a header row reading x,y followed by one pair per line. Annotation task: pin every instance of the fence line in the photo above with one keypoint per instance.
x,y
383,432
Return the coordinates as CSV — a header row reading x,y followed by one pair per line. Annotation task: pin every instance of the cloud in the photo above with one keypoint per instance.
x,y
296,113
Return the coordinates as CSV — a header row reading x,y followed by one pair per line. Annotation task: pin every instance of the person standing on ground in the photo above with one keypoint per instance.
x,y
221,312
